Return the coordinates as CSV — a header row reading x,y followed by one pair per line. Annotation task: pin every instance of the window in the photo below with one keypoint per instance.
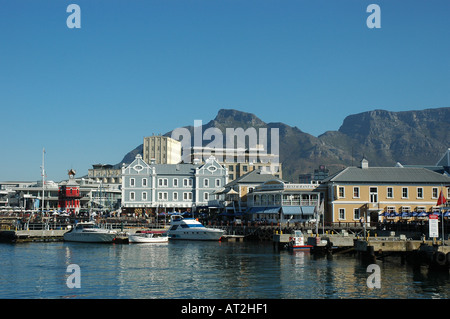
x,y
435,192
373,194
419,192
355,192
390,192
206,182
341,213
406,209
144,182
187,182
206,196
245,168
231,168
175,196
404,192
162,196
187,196
356,214
144,196
132,182
175,182
163,182
217,182
132,196
341,192
390,209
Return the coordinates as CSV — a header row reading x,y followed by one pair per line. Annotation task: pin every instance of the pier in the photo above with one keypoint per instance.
x,y
418,252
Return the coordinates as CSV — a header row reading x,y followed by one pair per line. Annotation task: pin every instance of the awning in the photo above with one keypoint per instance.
x,y
264,210
272,210
291,210
256,210
308,210
219,191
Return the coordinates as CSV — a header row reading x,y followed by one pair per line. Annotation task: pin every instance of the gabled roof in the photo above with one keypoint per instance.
x,y
253,177
388,175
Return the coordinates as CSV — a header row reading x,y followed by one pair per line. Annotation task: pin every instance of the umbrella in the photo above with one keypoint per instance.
x,y
414,214
437,213
447,213
385,214
406,215
422,214
394,214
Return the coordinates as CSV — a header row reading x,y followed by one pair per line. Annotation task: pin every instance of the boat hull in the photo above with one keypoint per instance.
x,y
208,234
140,239
302,247
90,237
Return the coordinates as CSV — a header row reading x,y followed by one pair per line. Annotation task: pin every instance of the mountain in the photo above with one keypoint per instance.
x,y
383,137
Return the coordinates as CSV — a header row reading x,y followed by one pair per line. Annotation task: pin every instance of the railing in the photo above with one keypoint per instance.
x,y
286,202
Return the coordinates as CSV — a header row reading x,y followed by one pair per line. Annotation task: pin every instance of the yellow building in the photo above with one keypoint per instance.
x,y
371,193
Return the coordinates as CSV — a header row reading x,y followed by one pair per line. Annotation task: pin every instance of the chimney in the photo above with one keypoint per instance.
x,y
364,163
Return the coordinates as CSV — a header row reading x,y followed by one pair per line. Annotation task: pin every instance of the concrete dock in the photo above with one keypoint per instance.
x,y
324,243
18,236
418,252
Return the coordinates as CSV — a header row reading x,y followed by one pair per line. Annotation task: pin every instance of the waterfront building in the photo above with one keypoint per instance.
x,y
105,173
27,196
279,201
319,175
8,196
232,199
372,193
161,150
69,195
170,187
240,161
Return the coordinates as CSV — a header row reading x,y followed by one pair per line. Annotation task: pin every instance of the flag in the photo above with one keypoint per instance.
x,y
321,209
441,199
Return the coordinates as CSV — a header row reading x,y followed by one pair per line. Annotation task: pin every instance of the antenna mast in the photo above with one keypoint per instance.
x,y
43,178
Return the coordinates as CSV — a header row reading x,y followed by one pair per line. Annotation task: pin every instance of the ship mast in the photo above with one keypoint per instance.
x,y
43,178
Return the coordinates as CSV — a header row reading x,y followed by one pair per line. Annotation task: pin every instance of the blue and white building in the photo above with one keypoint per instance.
x,y
172,187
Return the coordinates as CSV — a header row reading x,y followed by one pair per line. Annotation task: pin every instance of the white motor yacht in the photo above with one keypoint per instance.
x,y
89,232
191,229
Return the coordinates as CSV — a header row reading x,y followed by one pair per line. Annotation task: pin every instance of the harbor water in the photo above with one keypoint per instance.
x,y
202,270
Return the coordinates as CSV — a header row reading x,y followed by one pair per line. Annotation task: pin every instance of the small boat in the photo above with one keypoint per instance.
x,y
191,229
89,232
297,242
148,237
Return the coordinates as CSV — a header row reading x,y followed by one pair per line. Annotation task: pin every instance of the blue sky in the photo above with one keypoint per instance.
x,y
135,67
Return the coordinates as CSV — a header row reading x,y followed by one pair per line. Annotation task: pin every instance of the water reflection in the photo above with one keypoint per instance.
x,y
203,270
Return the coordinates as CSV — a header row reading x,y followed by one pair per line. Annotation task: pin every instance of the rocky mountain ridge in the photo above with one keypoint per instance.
x,y
383,137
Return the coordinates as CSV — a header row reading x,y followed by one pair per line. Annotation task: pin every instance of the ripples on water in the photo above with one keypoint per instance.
x,y
202,270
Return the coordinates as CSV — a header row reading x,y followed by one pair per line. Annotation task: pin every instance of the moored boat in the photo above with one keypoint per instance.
x,y
148,237
297,242
89,232
191,229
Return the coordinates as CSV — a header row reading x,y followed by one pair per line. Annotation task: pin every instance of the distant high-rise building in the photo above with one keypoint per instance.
x,y
159,149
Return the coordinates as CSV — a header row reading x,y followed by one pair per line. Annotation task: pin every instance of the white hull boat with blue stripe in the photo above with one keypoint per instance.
x,y
191,229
